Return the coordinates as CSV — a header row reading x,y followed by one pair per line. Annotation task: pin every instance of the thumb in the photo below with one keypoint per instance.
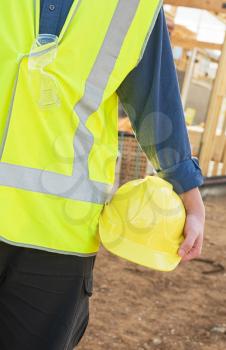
x,y
187,245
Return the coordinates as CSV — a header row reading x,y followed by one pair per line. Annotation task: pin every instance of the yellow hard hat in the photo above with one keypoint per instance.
x,y
143,223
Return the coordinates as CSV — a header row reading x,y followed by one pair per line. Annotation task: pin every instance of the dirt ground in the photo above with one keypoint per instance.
x,y
134,308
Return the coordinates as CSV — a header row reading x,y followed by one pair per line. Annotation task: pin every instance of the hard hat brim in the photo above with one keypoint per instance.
x,y
142,255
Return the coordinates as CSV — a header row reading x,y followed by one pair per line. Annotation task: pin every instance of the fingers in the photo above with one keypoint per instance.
x,y
188,244
195,251
193,232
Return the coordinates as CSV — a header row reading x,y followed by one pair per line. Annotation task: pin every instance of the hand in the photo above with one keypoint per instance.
x,y
194,226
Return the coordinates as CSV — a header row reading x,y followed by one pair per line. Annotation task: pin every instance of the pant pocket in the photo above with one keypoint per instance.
x,y
88,285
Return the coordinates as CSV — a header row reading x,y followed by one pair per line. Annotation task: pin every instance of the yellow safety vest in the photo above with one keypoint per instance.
x,y
57,165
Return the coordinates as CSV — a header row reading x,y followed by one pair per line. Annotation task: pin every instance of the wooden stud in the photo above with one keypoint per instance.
x,y
188,77
207,144
224,161
219,148
215,105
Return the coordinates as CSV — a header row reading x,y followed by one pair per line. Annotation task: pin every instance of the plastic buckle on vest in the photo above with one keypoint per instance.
x,y
44,85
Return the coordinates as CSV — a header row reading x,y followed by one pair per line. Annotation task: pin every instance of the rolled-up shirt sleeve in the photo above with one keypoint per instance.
x,y
150,96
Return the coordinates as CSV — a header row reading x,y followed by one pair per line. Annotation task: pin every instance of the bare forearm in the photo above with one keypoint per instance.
x,y
194,227
193,203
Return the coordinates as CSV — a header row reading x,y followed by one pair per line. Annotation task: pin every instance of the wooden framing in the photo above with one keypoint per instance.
x,y
210,144
195,137
209,5
224,161
193,43
187,39
211,149
188,77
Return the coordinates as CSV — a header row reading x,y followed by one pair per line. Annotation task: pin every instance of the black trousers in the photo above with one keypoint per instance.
x,y
44,298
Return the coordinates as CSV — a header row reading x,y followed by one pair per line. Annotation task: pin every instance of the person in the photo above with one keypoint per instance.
x,y
48,223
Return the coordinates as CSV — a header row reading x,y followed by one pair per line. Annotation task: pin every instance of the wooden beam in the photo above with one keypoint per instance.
x,y
192,43
220,16
209,55
209,5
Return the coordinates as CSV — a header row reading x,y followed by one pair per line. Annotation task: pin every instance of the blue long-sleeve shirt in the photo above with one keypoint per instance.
x,y
150,96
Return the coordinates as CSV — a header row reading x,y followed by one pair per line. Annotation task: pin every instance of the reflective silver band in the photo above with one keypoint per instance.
x,y
98,79
76,187
106,59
